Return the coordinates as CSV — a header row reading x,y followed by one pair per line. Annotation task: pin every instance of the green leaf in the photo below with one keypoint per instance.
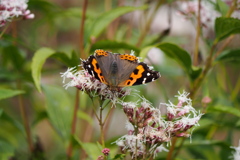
x,y
229,55
63,57
225,109
119,156
1,112
144,51
107,44
38,60
224,27
106,18
15,56
8,93
204,142
13,121
6,150
182,57
223,7
85,116
92,149
59,110
39,117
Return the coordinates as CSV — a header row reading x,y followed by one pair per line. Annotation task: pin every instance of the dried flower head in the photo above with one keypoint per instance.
x,y
10,9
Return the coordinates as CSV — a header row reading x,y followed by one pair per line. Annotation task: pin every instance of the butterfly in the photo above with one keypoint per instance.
x,y
118,70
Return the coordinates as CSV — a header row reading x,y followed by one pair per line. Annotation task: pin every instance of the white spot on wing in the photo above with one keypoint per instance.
x,y
93,74
148,74
89,66
143,82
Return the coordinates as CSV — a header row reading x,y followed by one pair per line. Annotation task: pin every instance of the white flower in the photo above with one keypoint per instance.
x,y
182,98
132,144
93,87
158,150
236,154
12,9
183,107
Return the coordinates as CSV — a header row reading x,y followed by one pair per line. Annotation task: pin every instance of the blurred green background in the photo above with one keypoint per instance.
x,y
34,52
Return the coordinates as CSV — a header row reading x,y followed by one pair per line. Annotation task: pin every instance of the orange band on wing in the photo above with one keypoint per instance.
x,y
101,52
98,71
134,77
129,57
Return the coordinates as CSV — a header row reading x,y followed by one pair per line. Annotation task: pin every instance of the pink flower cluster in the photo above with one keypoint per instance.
x,y
148,129
93,87
10,9
189,9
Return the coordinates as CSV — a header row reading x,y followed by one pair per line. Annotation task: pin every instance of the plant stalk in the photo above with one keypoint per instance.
x,y
74,123
81,36
198,29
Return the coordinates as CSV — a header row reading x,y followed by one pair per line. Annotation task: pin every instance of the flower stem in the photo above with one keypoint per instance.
x,y
25,122
101,127
196,50
170,153
148,23
74,122
232,8
4,30
200,79
81,36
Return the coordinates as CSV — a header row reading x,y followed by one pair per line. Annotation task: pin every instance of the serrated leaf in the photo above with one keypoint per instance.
x,y
229,55
59,110
38,60
106,18
107,44
224,27
8,93
225,109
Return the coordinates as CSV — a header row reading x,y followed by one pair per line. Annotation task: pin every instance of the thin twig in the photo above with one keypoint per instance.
x,y
101,127
74,123
148,23
223,46
198,29
4,30
170,153
232,8
20,100
25,120
108,115
81,44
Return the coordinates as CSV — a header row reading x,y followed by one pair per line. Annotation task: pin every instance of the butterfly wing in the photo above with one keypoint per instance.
x,y
141,74
91,65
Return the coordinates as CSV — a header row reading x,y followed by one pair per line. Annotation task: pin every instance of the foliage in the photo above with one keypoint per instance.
x,y
39,119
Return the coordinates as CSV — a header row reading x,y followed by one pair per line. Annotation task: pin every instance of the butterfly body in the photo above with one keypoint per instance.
x,y
118,70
